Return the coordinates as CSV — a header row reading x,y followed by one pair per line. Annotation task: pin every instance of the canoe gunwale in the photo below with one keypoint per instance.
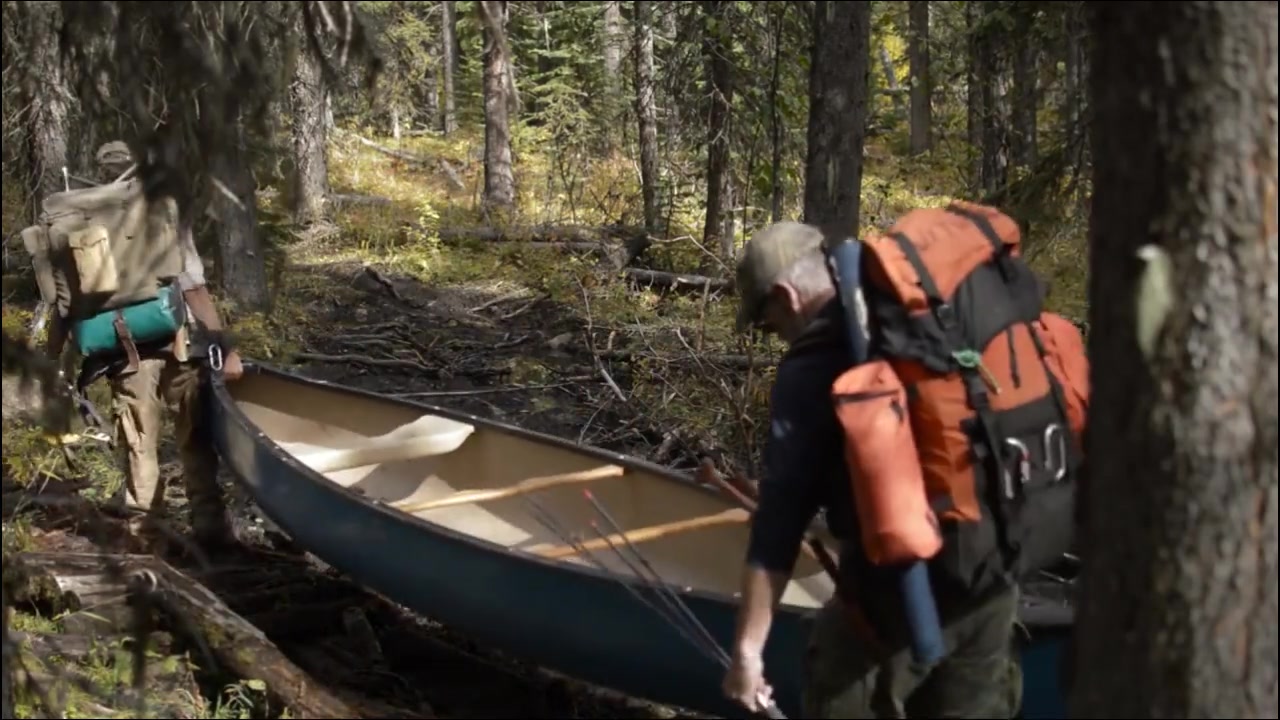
x,y
229,406
1051,618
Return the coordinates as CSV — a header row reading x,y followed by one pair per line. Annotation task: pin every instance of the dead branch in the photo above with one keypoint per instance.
x,y
676,281
196,612
366,360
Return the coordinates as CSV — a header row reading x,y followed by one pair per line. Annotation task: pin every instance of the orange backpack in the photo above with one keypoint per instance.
x,y
962,431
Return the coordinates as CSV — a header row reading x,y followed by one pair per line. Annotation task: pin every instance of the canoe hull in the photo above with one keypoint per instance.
x,y
574,620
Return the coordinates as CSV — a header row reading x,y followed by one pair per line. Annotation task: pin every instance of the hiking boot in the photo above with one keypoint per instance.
x,y
214,534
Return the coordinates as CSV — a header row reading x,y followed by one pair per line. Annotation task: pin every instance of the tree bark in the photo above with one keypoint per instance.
x,y
47,99
6,653
1025,95
242,267
613,41
310,137
777,17
891,82
431,81
921,82
646,112
991,83
975,108
715,50
837,115
1177,613
499,175
449,53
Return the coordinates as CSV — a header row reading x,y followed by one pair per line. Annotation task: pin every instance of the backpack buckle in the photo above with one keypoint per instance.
x,y
1024,467
1050,433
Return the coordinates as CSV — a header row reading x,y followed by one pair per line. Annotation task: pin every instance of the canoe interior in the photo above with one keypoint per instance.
x,y
397,455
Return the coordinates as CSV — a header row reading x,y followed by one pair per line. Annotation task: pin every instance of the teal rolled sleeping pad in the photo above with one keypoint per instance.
x,y
151,321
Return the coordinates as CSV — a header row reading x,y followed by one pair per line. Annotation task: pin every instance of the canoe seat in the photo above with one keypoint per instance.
x,y
427,436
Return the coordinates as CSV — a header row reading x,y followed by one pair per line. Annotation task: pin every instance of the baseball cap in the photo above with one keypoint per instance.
x,y
766,256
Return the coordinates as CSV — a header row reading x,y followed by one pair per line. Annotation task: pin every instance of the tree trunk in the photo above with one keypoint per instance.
x,y
1177,614
310,138
720,86
613,41
646,112
6,653
976,110
430,82
991,83
775,116
891,82
47,99
1026,57
449,52
837,115
499,176
921,84
242,267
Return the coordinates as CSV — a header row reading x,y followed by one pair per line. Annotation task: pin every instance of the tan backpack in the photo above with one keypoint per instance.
x,y
103,248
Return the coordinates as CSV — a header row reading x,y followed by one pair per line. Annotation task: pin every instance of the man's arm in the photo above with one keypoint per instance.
x,y
57,337
202,307
789,498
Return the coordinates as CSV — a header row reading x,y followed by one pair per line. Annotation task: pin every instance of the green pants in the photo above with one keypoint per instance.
x,y
979,678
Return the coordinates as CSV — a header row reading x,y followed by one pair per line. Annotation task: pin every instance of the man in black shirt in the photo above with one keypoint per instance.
x,y
785,288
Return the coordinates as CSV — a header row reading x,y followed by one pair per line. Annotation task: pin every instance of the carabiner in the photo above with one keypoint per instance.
x,y
215,357
1060,471
1024,466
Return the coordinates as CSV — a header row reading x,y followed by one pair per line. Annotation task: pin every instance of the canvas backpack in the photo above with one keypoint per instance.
x,y
972,392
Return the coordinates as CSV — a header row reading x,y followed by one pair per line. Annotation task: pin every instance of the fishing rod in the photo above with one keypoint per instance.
x,y
771,710
547,520
669,607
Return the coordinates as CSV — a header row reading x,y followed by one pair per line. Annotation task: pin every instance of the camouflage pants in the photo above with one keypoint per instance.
x,y
979,678
138,402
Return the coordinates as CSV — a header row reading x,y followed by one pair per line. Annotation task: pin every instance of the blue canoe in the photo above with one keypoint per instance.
x,y
426,506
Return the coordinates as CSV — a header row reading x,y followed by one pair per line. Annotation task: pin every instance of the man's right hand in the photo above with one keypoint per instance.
x,y
744,682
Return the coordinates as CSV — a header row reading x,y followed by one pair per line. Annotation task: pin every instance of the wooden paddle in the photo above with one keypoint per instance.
x,y
813,547
466,497
653,532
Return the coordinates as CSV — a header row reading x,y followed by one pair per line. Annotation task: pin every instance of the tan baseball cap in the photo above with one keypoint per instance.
x,y
766,256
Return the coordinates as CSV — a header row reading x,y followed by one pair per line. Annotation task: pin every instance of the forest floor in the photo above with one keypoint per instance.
x,y
395,298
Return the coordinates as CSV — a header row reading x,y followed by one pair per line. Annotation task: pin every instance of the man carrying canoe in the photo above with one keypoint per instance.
x,y
156,345
859,663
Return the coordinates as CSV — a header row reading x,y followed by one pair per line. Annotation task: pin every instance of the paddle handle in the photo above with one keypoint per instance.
x,y
927,645
466,497
653,532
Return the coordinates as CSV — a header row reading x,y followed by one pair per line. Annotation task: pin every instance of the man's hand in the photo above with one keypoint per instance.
x,y
232,368
744,682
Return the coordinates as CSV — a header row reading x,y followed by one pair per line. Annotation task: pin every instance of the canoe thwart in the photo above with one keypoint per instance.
x,y
427,436
465,497
652,532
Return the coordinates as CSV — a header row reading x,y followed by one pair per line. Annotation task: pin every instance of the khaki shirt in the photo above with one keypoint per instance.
x,y
192,275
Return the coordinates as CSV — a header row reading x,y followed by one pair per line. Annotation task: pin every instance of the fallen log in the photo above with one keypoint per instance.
x,y
677,281
619,245
439,163
195,612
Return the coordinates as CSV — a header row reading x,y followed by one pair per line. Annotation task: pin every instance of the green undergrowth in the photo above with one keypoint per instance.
x,y
403,236
100,683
